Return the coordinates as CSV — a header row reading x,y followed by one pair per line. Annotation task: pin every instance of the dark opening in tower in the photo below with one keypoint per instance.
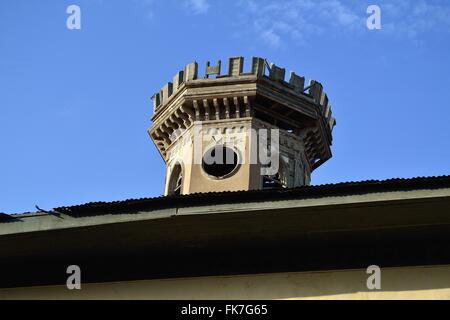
x,y
176,180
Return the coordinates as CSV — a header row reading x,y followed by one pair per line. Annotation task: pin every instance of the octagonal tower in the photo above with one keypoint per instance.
x,y
241,130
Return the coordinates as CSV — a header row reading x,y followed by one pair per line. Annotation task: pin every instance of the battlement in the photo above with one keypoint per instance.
x,y
259,69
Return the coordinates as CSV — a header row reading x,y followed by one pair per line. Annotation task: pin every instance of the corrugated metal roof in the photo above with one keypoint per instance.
x,y
317,191
4,217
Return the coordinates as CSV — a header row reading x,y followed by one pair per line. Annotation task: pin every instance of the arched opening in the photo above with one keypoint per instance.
x,y
272,182
278,180
176,180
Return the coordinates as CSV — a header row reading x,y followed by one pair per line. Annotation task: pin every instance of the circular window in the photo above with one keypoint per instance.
x,y
219,161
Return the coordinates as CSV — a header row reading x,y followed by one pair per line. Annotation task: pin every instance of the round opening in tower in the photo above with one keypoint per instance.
x,y
220,161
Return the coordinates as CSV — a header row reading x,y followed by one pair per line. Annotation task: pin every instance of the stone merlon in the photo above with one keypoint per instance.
x,y
259,69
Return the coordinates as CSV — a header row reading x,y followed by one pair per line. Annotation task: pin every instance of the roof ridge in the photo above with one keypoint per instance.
x,y
320,190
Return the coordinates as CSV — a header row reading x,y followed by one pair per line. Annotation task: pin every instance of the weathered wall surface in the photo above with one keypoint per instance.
x,y
431,282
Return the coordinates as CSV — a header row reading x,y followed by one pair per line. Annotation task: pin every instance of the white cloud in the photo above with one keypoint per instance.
x,y
411,19
276,22
271,38
299,20
197,6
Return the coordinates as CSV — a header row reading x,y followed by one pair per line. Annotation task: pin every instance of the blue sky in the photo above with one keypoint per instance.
x,y
75,104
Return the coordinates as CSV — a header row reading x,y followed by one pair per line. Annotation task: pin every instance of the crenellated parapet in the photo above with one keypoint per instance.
x,y
235,92
259,69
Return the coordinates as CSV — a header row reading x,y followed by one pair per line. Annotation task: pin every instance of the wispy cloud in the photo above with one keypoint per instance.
x,y
298,20
197,6
150,7
276,22
413,18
